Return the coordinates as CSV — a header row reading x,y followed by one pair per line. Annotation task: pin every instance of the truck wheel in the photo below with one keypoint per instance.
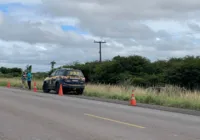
x,y
79,91
57,88
65,91
45,88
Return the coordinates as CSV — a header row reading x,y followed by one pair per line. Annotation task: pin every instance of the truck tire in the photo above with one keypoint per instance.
x,y
57,88
45,88
79,91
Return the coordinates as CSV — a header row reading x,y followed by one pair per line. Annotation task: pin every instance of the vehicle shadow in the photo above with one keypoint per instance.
x,y
64,92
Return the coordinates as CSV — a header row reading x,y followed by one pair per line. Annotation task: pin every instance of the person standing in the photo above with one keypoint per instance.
x,y
29,79
23,79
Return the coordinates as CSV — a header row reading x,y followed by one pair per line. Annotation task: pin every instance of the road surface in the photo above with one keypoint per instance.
x,y
27,115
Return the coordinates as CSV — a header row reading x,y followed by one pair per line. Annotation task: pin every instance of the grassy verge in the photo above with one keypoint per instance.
x,y
169,96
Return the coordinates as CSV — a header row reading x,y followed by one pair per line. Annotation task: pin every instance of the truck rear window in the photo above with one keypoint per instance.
x,y
74,73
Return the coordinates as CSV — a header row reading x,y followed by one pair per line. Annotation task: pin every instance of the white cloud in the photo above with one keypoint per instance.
x,y
1,18
157,29
21,1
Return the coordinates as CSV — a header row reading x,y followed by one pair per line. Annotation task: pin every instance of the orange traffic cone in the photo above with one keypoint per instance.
x,y
35,88
8,85
60,93
133,100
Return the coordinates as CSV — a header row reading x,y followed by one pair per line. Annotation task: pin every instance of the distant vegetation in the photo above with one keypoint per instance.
x,y
139,71
133,70
10,72
17,72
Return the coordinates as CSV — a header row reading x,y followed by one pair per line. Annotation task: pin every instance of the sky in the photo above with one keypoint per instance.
x,y
36,32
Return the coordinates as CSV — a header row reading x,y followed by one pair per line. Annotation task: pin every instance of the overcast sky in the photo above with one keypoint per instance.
x,y
39,31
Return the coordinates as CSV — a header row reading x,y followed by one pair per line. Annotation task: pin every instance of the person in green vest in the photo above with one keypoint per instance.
x,y
29,79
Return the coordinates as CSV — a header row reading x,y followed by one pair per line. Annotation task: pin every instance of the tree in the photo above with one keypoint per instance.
x,y
52,64
28,68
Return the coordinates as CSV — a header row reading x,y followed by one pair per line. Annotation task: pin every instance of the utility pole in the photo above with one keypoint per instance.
x,y
100,42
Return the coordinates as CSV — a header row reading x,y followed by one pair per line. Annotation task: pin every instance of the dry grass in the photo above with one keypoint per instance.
x,y
169,96
16,82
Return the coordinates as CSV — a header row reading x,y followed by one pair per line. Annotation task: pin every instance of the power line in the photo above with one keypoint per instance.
x,y
100,42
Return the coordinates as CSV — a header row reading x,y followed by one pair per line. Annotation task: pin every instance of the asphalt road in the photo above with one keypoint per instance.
x,y
27,115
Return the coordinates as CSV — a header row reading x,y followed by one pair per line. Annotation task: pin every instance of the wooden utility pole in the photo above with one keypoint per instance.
x,y
100,42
